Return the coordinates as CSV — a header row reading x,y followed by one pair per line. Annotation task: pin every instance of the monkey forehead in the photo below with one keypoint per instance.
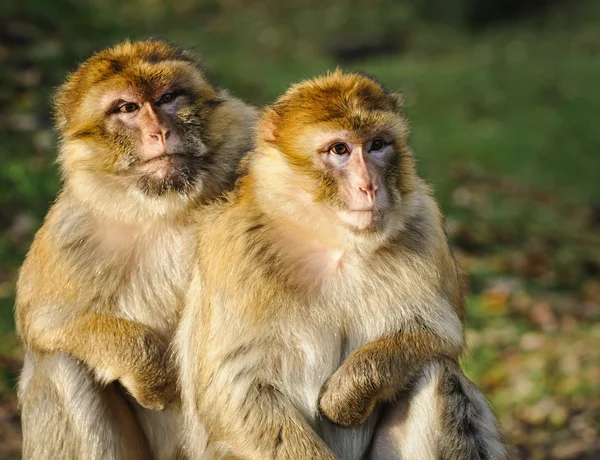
x,y
143,69
337,95
354,128
144,60
339,101
327,134
143,81
148,78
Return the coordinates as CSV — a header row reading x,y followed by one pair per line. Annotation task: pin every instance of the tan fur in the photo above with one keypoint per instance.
x,y
293,317
443,417
100,292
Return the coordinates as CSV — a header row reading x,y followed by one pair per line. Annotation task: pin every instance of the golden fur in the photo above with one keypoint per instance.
x,y
296,324
100,292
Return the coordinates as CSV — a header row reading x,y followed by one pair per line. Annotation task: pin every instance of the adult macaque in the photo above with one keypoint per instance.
x,y
324,285
145,140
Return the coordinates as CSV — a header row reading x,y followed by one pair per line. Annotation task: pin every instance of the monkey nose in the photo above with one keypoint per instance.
x,y
369,190
161,136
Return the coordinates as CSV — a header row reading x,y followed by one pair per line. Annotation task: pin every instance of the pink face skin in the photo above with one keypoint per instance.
x,y
150,121
360,167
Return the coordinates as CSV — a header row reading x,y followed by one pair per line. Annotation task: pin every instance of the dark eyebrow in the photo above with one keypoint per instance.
x,y
114,106
334,140
175,91
386,136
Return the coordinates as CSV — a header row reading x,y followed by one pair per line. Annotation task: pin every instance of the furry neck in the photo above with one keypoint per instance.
x,y
105,196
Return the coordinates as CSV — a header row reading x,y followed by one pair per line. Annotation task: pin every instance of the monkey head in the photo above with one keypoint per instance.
x,y
131,119
342,138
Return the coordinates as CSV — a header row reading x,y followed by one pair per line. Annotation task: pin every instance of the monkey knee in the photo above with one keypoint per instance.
x,y
444,417
47,429
469,426
66,414
408,429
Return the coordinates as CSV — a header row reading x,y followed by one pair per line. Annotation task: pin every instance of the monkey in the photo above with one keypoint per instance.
x,y
145,141
325,308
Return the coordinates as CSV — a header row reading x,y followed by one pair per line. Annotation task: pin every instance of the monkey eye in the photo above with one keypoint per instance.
x,y
377,144
128,107
166,98
339,149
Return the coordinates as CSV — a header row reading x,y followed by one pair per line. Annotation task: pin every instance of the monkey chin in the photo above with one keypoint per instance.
x,y
167,173
359,221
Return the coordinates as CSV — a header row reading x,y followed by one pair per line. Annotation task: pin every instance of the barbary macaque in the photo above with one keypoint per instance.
x,y
145,141
324,292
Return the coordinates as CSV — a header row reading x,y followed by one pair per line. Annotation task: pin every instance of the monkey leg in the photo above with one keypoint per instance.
x,y
443,417
66,414
349,443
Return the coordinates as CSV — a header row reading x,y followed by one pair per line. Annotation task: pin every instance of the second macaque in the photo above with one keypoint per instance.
x,y
145,141
323,288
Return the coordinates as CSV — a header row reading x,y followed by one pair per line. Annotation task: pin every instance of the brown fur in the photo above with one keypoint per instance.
x,y
100,291
291,314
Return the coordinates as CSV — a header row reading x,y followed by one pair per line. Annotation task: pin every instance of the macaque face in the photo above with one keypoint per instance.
x,y
139,110
358,167
345,139
163,149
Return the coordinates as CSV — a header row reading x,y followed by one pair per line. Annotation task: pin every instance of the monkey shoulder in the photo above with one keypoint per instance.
x,y
43,259
47,285
231,124
232,238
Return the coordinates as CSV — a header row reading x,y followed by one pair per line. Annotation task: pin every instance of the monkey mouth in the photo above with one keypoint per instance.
x,y
163,165
165,157
170,171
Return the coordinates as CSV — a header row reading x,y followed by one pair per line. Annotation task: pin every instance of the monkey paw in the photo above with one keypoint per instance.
x,y
344,400
154,394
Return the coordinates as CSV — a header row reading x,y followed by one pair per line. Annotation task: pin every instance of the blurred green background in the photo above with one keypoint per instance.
x,y
504,98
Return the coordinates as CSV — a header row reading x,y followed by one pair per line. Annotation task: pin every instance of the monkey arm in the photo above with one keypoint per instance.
x,y
116,349
378,371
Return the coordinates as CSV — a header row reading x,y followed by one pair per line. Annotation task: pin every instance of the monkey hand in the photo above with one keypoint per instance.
x,y
348,397
151,381
152,393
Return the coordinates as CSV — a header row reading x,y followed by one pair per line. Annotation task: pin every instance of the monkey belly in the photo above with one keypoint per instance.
x,y
323,351
306,382
66,414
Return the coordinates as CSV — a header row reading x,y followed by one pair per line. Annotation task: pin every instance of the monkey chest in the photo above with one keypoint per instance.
x,y
153,286
365,307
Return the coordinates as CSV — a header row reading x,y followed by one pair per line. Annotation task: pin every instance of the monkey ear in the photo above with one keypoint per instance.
x,y
190,55
398,102
268,125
